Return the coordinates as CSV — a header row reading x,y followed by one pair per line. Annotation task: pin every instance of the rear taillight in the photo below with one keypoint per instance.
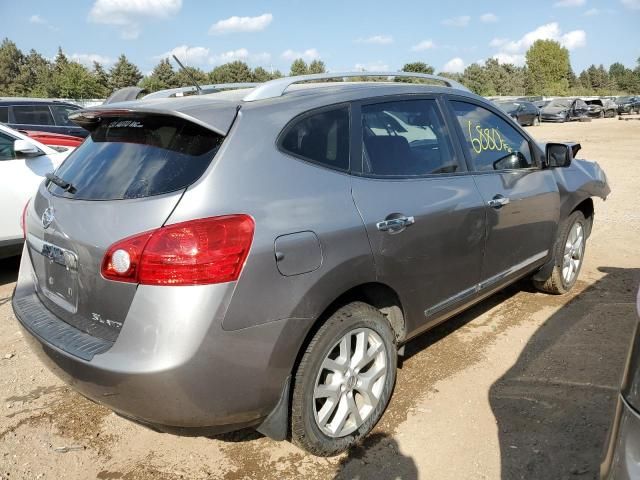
x,y
209,250
23,220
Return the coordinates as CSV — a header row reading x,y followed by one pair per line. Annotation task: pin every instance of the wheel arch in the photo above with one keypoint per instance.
x,y
379,295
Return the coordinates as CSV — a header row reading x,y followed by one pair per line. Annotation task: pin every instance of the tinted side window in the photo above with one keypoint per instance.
x,y
492,143
322,138
6,147
4,114
33,115
405,138
61,114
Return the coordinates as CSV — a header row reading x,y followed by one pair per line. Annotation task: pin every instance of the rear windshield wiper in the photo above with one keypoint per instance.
x,y
64,185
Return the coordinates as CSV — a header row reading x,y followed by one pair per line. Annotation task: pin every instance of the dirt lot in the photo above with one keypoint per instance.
x,y
521,386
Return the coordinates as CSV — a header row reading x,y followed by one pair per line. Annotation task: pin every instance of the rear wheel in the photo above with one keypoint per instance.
x,y
569,253
344,381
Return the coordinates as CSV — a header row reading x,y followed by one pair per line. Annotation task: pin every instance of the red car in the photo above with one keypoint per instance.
x,y
54,140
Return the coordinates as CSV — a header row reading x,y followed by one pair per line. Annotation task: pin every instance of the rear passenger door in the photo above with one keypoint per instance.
x,y
521,200
34,117
423,214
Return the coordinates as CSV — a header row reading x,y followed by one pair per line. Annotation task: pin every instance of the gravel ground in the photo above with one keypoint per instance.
x,y
521,386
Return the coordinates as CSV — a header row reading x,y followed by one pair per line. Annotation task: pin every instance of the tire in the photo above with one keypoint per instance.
x,y
558,283
336,339
536,121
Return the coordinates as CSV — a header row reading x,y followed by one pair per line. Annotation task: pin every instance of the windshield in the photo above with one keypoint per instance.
x,y
559,103
508,106
133,157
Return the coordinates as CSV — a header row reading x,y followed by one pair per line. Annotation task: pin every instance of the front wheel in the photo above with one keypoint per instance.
x,y
344,381
569,253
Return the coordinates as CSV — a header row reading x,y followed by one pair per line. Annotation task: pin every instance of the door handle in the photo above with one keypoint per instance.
x,y
395,225
498,201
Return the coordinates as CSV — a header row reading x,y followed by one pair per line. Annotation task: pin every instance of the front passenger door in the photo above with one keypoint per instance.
x,y
522,201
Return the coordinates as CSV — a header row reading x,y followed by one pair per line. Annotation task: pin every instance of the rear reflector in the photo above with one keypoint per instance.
x,y
197,252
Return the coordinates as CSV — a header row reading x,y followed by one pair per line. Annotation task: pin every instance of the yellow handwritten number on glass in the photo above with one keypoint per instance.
x,y
486,139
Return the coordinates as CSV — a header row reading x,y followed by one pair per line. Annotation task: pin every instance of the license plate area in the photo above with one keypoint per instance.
x,y
56,271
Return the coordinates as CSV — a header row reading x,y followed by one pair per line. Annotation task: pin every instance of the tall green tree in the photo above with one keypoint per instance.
x,y
547,68
123,74
102,80
476,79
162,77
35,76
418,67
233,72
73,80
11,58
316,66
259,74
182,79
299,67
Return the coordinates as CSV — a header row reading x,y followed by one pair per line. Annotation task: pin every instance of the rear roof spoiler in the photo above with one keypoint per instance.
x,y
219,119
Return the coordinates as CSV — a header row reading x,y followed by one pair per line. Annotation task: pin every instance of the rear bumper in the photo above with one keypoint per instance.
x,y
172,367
622,460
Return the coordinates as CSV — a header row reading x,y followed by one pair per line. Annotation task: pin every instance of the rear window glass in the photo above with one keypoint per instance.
x,y
33,115
137,157
321,138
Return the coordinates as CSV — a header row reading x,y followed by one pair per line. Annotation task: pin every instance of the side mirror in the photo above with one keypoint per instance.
x,y
26,148
559,154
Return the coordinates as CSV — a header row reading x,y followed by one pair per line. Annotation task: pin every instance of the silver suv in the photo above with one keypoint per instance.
x,y
257,258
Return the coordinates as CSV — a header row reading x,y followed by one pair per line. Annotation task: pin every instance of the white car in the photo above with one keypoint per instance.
x,y
24,162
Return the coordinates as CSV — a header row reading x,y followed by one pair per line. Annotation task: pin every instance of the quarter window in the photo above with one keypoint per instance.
x,y
492,143
61,114
33,115
405,138
322,138
4,114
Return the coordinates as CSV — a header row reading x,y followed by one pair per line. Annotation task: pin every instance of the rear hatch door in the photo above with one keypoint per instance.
x,y
126,178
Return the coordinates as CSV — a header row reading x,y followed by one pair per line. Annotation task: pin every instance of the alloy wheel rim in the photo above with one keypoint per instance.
x,y
573,250
350,382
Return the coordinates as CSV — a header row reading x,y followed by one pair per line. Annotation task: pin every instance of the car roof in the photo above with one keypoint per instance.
x,y
217,110
35,101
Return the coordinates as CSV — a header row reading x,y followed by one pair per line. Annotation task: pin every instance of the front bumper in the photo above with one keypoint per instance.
x,y
172,367
553,118
622,459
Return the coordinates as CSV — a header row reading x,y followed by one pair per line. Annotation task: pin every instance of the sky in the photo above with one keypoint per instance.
x,y
346,35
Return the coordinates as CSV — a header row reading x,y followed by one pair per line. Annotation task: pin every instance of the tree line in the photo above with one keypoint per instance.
x,y
547,72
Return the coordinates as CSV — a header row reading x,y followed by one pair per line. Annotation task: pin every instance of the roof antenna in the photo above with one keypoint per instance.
x,y
188,74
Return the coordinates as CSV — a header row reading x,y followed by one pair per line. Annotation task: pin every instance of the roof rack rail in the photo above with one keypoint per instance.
x,y
276,88
179,92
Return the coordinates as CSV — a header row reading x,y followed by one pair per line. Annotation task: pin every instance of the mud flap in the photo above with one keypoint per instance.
x,y
276,425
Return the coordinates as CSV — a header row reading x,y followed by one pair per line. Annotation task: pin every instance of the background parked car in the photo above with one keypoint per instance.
x,y
628,105
42,115
541,103
23,164
525,113
564,110
601,108
57,141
